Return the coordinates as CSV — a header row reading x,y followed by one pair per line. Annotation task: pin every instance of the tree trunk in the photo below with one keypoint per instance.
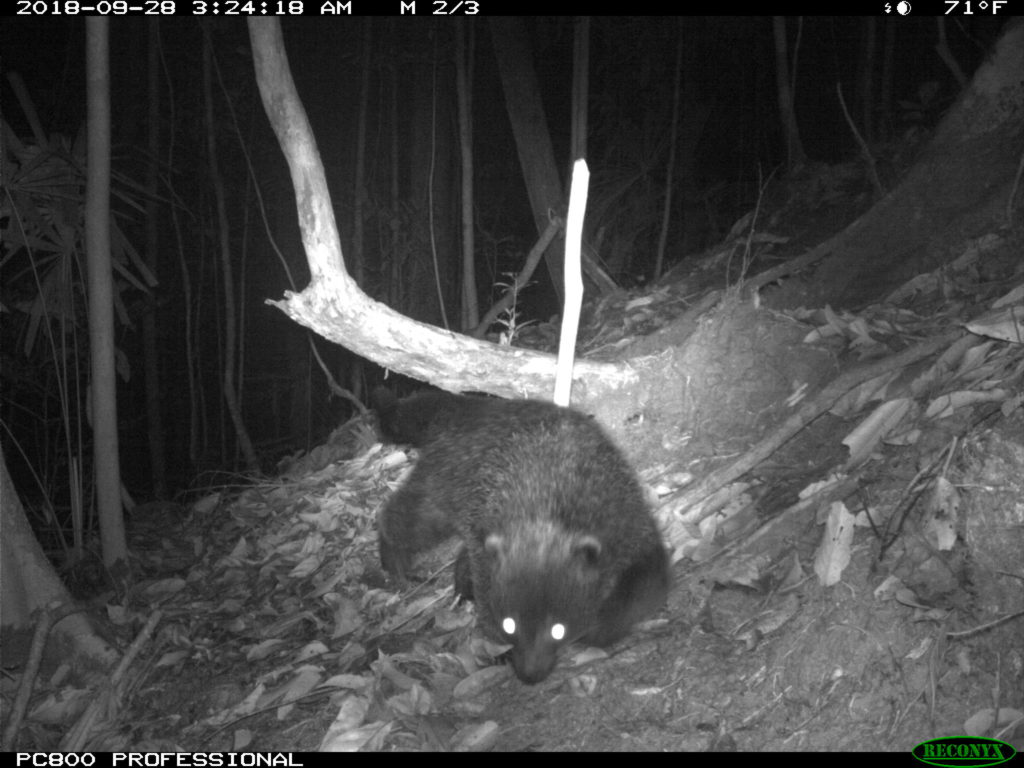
x,y
866,78
101,296
359,175
231,334
530,128
784,92
432,181
464,49
150,345
883,129
670,167
28,583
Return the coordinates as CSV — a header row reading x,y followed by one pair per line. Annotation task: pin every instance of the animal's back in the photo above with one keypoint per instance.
x,y
420,418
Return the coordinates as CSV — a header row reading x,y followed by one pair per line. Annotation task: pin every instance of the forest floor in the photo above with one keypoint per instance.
x,y
860,589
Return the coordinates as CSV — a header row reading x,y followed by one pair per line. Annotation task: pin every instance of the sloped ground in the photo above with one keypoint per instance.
x,y
861,587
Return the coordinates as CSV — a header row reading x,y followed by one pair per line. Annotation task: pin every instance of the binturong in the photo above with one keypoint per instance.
x,y
558,543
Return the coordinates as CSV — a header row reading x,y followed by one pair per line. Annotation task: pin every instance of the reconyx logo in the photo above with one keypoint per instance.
x,y
963,752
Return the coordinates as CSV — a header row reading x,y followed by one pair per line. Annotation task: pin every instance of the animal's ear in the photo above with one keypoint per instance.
x,y
383,399
385,403
587,549
496,546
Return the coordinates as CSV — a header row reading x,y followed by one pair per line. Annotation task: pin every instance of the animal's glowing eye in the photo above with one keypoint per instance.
x,y
558,632
508,626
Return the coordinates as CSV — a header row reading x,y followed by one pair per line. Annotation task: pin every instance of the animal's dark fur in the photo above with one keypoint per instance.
x,y
553,521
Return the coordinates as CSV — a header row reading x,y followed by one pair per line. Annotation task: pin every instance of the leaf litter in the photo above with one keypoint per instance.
x,y
278,630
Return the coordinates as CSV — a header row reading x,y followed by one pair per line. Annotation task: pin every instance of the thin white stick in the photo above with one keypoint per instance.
x,y
573,281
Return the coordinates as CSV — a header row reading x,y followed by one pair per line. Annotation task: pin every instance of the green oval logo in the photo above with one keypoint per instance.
x,y
963,751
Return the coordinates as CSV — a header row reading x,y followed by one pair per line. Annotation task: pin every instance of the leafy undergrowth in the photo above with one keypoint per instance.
x,y
852,579
284,634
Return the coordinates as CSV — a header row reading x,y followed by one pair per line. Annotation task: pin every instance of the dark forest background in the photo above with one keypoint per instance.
x,y
895,85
